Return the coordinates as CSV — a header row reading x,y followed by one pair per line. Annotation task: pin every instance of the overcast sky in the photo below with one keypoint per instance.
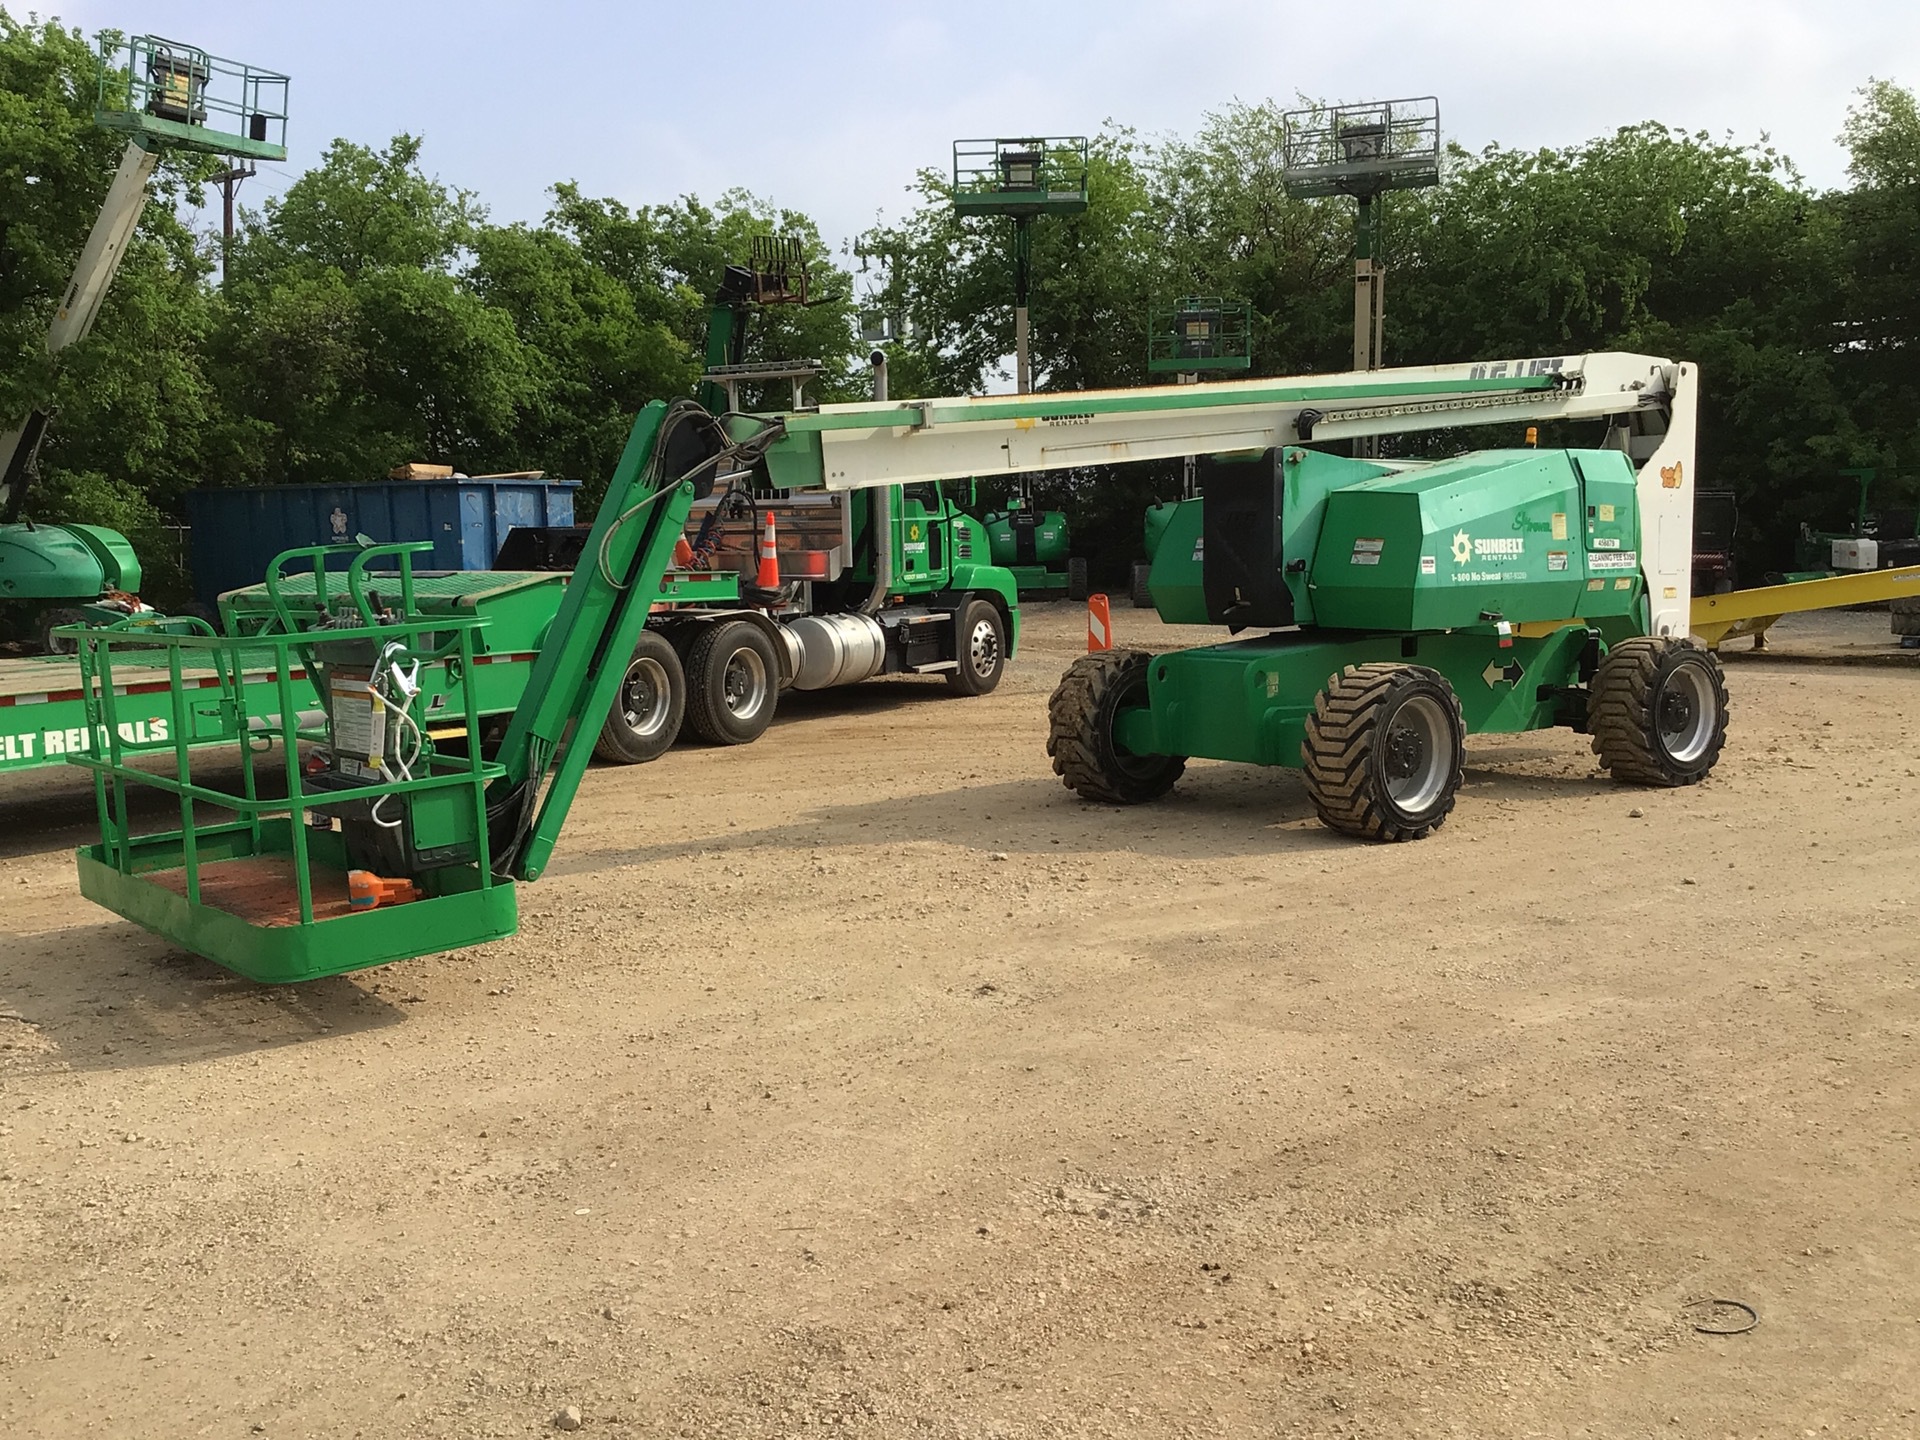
x,y
831,107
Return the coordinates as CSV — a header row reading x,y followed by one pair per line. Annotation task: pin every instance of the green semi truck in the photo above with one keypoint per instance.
x,y
873,584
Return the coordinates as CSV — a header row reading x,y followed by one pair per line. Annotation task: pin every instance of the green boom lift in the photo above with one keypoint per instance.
x,y
163,96
1386,610
283,887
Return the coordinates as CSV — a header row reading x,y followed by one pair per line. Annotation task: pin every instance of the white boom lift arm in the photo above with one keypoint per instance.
x,y
1653,403
100,259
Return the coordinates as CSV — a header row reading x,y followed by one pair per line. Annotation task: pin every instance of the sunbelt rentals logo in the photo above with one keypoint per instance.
x,y
1469,547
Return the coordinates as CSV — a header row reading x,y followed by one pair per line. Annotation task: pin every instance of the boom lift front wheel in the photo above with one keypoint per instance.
x,y
1080,723
980,647
1384,751
644,720
733,683
1657,710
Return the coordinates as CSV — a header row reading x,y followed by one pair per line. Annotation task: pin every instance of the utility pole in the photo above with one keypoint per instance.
x,y
229,182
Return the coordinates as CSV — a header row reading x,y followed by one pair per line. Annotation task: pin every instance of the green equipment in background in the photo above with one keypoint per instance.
x,y
1034,545
1022,179
1193,336
1200,334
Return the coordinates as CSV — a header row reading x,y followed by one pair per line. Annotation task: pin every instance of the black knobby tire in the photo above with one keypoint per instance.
x,y
1384,751
1079,584
644,719
48,621
1142,591
1657,710
733,683
1080,723
980,648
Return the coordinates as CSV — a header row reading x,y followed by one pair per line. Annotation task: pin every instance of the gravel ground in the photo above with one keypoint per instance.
x,y
864,1081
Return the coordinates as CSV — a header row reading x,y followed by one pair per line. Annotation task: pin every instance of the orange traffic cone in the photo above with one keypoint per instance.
x,y
1099,624
768,577
682,554
366,890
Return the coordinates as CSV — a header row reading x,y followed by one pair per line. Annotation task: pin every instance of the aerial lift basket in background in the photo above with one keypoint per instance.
x,y
162,96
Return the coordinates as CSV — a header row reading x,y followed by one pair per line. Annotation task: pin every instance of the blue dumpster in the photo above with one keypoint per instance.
x,y
236,533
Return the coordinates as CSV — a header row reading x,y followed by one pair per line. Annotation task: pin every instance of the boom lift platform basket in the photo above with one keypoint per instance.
x,y
378,845
265,892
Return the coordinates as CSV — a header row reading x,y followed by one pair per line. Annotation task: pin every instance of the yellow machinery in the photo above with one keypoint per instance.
x,y
1750,612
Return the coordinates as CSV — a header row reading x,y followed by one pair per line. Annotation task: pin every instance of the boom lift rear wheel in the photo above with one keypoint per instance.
x,y
1080,720
1141,588
1384,751
645,717
733,683
1079,580
1658,711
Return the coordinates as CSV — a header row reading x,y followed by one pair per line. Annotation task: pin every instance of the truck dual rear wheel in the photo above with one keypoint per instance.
x,y
1657,710
1080,723
733,682
644,720
980,647
1384,751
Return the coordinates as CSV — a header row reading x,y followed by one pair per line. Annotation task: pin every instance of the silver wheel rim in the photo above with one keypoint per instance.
x,y
744,683
1417,754
983,648
1684,713
644,698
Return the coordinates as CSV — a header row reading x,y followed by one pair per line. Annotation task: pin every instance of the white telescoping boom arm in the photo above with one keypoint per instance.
x,y
1653,402
106,247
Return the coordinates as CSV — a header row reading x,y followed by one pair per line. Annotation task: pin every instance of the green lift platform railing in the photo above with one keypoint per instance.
x,y
179,95
1199,333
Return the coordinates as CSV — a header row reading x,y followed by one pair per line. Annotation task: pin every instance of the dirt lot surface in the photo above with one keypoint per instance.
x,y
865,1082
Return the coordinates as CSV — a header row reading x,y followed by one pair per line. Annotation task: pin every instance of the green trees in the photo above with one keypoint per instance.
x,y
373,314
1657,240
1877,348
350,336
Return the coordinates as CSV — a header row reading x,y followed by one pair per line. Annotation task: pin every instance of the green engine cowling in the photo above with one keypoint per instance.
x,y
1028,537
1524,536
1299,537
65,562
1175,550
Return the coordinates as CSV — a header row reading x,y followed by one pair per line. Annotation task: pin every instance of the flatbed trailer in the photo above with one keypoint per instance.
x,y
43,718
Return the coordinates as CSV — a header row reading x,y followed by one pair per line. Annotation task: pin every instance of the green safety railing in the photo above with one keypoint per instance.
x,y
179,95
1200,332
1043,175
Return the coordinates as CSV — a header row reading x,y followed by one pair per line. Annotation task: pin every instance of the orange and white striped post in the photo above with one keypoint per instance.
x,y
1099,624
768,577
